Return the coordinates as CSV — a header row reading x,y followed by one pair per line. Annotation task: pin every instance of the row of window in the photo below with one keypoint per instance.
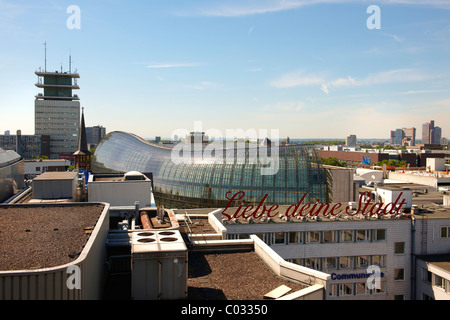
x,y
314,237
435,280
341,263
359,288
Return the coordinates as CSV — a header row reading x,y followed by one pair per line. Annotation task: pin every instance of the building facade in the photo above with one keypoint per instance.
x,y
351,140
28,146
431,134
94,135
210,182
57,111
399,247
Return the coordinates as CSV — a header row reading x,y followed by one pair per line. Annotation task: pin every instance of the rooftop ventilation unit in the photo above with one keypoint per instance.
x,y
159,261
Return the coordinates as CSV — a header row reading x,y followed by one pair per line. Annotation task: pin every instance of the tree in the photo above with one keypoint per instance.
x,y
333,161
391,163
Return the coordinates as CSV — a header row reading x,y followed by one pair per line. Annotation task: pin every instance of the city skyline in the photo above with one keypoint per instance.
x,y
311,69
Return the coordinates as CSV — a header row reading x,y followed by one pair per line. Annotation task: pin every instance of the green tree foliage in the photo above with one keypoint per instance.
x,y
391,163
332,161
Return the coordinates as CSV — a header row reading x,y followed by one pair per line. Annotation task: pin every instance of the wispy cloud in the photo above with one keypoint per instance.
x,y
324,88
394,37
422,91
299,79
235,8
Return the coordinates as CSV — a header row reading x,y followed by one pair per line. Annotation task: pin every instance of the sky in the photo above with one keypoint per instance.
x,y
299,68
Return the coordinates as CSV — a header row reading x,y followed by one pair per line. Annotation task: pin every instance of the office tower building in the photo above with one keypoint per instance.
x,y
350,140
397,137
431,134
94,135
410,136
403,137
28,146
57,111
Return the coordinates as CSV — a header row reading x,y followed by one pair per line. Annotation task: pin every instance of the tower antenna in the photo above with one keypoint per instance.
x,y
45,48
70,63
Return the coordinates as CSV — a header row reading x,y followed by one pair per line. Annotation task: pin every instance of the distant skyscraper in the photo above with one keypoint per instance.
x,y
430,133
57,111
350,140
410,135
95,135
403,137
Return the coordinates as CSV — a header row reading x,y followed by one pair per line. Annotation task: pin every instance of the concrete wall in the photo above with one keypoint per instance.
x,y
287,269
428,288
424,179
436,164
398,230
390,196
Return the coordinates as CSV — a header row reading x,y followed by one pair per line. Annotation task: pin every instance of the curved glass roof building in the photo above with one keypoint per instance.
x,y
211,175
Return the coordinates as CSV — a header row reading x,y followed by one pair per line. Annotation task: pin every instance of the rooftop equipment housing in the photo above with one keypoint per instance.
x,y
159,265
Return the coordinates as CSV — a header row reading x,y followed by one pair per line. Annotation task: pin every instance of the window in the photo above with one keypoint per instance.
x,y
345,289
399,248
362,262
345,262
445,232
378,261
380,235
278,238
314,236
330,236
439,282
313,263
399,274
362,235
347,235
333,290
361,288
298,261
294,237
330,263
426,275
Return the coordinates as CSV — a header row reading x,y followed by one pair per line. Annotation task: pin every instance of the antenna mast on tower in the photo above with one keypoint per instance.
x,y
45,48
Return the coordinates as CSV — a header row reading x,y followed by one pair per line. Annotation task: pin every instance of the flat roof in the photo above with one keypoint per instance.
x,y
56,176
44,236
232,276
441,261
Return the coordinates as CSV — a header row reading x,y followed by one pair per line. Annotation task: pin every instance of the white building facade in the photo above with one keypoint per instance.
x,y
351,249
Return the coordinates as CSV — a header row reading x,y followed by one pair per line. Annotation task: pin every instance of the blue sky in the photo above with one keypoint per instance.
x,y
310,69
